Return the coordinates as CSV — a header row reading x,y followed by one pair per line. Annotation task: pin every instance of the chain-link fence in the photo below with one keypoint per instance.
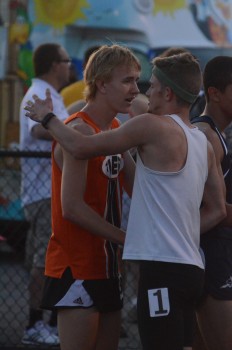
x,y
14,275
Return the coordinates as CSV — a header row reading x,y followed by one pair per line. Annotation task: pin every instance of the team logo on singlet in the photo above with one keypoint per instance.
x,y
112,165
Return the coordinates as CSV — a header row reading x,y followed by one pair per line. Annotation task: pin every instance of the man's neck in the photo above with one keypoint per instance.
x,y
182,112
101,116
50,80
217,116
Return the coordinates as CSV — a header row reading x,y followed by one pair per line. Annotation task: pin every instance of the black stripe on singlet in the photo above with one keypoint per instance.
x,y
113,216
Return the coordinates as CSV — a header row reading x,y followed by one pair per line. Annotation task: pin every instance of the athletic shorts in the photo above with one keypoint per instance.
x,y
65,292
39,216
167,298
218,269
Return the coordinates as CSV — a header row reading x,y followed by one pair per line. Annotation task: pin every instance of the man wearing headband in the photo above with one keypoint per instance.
x,y
175,173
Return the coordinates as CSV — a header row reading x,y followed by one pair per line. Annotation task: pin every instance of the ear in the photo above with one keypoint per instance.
x,y
214,94
101,86
168,93
54,66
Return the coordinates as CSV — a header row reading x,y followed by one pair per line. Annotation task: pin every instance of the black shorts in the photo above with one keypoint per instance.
x,y
218,268
65,292
167,298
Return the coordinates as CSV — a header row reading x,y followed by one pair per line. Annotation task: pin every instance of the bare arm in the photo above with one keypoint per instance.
x,y
39,132
129,135
213,209
75,208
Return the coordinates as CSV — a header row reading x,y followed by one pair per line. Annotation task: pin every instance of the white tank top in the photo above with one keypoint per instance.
x,y
164,219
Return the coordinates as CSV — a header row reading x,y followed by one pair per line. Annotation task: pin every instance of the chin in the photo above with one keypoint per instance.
x,y
125,110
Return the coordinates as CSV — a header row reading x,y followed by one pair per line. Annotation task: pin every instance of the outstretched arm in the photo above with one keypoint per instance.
x,y
131,134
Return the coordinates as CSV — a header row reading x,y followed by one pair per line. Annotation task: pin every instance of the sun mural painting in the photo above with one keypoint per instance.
x,y
59,13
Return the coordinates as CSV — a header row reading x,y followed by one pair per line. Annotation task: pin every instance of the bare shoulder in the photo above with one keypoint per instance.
x,y
211,135
205,128
81,126
151,123
213,138
210,149
148,118
152,128
158,121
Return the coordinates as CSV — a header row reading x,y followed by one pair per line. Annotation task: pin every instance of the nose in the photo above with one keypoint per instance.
x,y
148,93
135,87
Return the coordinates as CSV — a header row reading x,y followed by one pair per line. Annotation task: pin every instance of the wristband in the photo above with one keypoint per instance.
x,y
46,119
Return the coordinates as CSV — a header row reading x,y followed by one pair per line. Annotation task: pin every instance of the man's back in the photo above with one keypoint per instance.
x,y
168,200
166,147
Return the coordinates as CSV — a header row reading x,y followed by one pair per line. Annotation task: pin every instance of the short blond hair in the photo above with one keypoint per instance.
x,y
101,64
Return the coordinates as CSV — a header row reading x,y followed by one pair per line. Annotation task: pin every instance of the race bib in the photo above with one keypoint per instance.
x,y
158,302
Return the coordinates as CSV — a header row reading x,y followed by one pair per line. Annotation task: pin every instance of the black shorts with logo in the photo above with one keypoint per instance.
x,y
218,266
65,292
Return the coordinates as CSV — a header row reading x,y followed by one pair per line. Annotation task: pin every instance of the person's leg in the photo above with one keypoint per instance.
x,y
166,300
108,300
39,216
160,322
214,313
198,341
42,233
52,322
78,328
37,277
41,221
109,331
215,323
161,332
35,286
36,273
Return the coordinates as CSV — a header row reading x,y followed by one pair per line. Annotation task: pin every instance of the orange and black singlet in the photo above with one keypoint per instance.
x,y
89,256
